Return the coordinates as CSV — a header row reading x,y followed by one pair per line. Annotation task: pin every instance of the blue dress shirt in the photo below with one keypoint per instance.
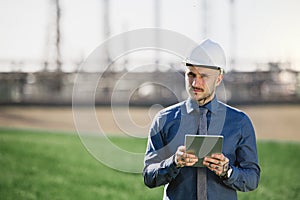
x,y
168,132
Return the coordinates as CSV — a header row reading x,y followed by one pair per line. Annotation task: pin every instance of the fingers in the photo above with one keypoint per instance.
x,y
217,163
182,158
218,159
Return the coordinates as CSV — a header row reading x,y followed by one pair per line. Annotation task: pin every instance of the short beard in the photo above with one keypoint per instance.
x,y
202,101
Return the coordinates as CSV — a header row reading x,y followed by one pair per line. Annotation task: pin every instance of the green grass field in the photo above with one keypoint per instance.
x,y
41,165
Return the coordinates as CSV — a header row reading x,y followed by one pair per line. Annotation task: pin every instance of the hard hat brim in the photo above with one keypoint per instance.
x,y
200,65
188,63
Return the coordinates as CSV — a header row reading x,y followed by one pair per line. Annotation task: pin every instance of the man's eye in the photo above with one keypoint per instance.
x,y
191,74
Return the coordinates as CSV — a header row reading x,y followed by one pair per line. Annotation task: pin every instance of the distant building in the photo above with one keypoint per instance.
x,y
275,84
272,85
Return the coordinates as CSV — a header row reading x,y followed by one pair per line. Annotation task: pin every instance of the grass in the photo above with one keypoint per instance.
x,y
39,165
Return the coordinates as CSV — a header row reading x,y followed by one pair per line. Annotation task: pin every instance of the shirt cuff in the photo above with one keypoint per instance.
x,y
233,177
173,170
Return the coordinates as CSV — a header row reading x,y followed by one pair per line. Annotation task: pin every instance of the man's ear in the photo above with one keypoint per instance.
x,y
219,79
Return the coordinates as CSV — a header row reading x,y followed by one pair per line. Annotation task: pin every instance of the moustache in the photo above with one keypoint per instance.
x,y
197,89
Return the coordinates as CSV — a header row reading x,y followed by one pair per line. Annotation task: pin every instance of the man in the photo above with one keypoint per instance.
x,y
167,162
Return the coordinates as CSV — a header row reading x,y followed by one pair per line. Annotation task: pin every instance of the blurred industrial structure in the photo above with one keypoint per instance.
x,y
273,85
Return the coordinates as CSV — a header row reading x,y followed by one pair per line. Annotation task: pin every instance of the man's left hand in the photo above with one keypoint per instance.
x,y
217,163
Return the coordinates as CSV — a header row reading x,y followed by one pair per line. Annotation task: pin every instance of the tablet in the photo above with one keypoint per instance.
x,y
203,145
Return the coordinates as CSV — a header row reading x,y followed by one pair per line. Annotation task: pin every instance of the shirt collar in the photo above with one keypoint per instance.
x,y
192,105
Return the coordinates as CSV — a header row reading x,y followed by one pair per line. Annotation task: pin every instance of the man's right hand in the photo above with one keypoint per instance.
x,y
183,159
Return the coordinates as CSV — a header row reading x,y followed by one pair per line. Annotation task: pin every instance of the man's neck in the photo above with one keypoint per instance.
x,y
206,100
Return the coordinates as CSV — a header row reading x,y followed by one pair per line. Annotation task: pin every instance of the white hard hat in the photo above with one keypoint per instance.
x,y
208,54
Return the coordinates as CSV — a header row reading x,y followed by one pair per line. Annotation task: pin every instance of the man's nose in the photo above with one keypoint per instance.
x,y
197,81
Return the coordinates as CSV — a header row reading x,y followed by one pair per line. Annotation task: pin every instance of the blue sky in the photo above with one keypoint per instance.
x,y
266,30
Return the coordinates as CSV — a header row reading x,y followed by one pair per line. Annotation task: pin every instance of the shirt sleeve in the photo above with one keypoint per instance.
x,y
246,171
159,167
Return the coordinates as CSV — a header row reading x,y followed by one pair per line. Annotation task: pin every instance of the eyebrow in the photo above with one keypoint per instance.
x,y
201,74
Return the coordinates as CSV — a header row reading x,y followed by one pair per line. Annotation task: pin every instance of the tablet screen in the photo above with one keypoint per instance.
x,y
203,145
